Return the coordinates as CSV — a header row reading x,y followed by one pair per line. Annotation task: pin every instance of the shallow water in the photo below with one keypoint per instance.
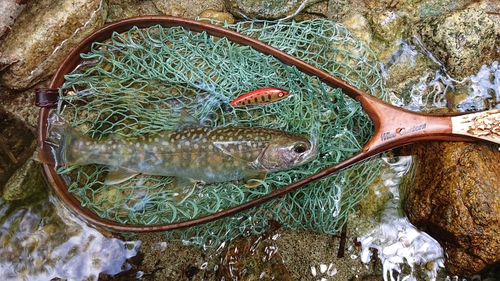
x,y
45,241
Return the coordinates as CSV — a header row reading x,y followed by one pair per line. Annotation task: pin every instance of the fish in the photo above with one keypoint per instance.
x,y
260,96
191,153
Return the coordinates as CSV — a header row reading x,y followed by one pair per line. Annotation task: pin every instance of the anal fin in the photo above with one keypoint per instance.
x,y
183,188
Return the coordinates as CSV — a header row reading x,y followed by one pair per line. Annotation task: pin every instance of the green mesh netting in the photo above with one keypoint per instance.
x,y
136,82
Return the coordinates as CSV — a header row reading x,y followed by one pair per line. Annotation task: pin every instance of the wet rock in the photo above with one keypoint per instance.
x,y
119,9
217,16
267,9
462,40
343,10
455,199
42,36
388,25
430,8
358,25
187,9
252,259
16,145
25,182
9,10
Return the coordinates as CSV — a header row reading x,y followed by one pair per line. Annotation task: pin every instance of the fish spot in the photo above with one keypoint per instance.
x,y
137,144
210,146
165,143
187,143
204,140
157,139
196,146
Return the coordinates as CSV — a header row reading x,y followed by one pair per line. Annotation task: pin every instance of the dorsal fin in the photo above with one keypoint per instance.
x,y
186,120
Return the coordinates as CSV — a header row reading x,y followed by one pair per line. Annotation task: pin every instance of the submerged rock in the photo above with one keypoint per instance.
x,y
455,199
250,259
253,258
462,40
267,9
42,36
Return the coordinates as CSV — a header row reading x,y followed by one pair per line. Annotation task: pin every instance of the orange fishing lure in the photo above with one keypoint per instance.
x,y
260,96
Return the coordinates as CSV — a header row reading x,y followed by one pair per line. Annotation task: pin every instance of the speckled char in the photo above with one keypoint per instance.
x,y
198,154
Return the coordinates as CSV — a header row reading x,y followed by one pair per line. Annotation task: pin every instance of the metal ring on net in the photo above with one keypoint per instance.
x,y
393,126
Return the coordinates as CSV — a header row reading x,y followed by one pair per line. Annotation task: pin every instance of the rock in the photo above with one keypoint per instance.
x,y
9,10
217,16
42,36
251,259
16,145
462,40
120,9
358,25
455,199
187,9
342,10
267,9
25,182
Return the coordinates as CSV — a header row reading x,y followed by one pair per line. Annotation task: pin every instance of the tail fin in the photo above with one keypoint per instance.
x,y
55,149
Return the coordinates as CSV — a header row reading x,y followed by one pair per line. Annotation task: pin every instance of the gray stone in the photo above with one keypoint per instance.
x,y
42,36
462,41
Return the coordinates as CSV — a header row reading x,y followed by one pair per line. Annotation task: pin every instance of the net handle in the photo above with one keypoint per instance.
x,y
389,120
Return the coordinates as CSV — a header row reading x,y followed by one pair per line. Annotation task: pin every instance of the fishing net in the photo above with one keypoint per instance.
x,y
136,82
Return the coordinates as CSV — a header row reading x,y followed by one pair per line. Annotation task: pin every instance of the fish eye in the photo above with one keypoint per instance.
x,y
299,147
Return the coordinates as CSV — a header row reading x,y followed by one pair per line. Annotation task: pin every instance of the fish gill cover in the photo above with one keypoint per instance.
x,y
135,84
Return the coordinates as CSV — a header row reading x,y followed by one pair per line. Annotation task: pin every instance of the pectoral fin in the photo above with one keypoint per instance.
x,y
183,188
252,179
242,150
119,175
